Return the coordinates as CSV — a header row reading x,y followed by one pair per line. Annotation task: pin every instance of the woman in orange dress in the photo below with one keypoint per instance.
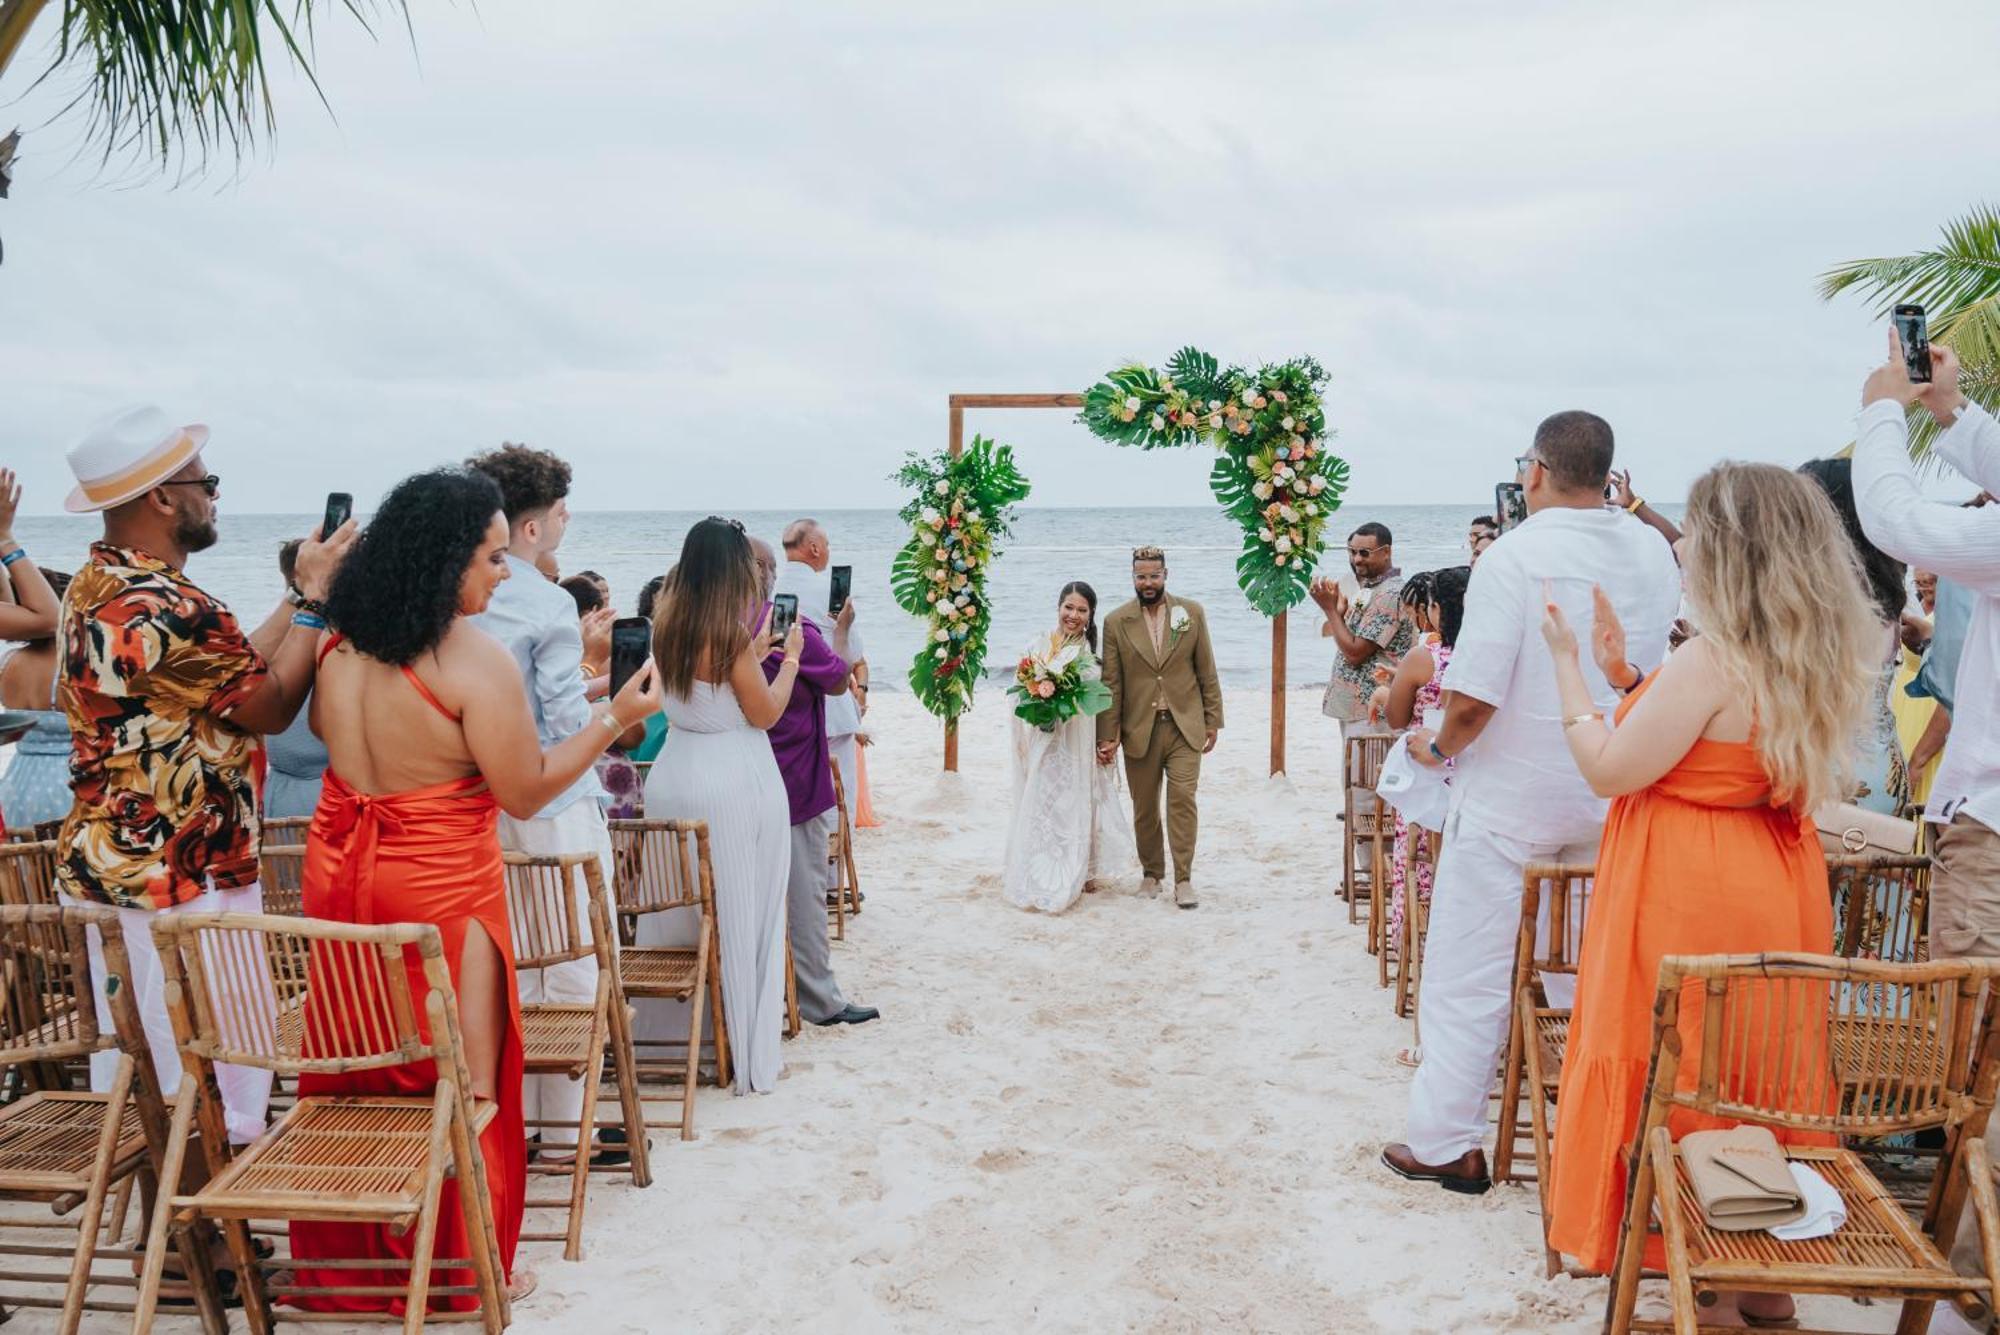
x,y
427,723
1716,763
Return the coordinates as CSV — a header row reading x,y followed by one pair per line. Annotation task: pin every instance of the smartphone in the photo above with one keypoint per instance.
x,y
339,508
784,614
843,584
631,645
1916,337
1510,505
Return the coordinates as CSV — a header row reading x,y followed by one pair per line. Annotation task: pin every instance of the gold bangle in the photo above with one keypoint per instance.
x,y
1575,719
1635,506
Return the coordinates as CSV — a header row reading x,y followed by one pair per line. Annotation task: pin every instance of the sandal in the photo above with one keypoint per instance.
x,y
522,1286
1411,1057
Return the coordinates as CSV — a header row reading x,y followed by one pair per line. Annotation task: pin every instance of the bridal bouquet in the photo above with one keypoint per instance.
x,y
1057,683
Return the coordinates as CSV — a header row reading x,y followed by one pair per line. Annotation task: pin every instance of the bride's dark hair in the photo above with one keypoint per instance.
x,y
1089,595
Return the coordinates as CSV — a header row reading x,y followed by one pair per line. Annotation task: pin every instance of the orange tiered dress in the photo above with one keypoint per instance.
x,y
1700,863
430,855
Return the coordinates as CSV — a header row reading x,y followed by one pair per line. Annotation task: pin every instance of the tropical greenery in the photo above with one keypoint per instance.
x,y
959,511
1958,285
177,79
1273,474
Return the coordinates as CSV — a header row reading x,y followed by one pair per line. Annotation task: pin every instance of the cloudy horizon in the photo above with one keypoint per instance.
x,y
738,258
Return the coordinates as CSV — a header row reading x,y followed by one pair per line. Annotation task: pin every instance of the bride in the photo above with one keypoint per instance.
x,y
1070,825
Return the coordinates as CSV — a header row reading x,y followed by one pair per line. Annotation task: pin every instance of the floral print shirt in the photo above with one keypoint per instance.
x,y
1374,616
153,668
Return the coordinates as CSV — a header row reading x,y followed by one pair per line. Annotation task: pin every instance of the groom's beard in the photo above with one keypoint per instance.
x,y
1148,597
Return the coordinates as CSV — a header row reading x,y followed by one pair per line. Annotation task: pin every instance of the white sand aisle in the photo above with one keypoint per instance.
x,y
1128,1117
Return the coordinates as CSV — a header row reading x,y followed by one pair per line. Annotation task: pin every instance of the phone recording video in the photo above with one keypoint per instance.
x,y
1914,332
843,584
339,509
631,644
1510,505
784,614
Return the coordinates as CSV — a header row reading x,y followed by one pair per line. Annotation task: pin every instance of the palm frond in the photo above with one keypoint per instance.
x,y
187,80
1958,285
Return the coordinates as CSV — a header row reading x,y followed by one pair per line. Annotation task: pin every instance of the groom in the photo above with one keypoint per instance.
x,y
1166,709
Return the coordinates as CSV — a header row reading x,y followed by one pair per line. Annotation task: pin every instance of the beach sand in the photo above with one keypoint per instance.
x,y
1124,1118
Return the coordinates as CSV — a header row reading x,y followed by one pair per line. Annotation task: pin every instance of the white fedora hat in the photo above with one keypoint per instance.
x,y
126,455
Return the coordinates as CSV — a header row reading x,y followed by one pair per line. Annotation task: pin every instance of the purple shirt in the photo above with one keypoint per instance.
x,y
798,738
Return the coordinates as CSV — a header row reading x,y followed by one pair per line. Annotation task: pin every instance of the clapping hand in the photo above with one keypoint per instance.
x,y
596,629
1607,639
10,501
1555,626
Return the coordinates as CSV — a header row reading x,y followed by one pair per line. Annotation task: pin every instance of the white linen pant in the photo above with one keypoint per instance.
x,y
1463,1007
842,750
577,828
812,954
246,1090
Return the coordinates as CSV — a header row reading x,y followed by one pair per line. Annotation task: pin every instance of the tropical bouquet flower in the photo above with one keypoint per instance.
x,y
1058,682
1273,475
959,511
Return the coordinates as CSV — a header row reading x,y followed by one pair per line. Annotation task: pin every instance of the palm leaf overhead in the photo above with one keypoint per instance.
x,y
174,79
1958,285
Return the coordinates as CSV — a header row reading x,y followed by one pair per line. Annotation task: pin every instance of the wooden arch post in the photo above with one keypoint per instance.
x,y
959,403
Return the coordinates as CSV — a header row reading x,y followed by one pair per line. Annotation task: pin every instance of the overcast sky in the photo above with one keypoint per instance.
x,y
736,255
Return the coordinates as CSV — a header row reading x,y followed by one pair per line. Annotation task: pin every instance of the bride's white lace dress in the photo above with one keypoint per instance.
x,y
1070,821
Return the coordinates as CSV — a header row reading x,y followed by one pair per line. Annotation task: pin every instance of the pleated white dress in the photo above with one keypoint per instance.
x,y
716,767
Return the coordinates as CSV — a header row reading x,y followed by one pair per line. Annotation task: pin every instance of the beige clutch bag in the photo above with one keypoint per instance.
x,y
1740,1178
1847,828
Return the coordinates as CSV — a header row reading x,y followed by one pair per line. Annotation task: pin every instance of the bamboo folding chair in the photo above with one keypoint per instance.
x,y
281,875
79,1154
1363,815
570,1038
370,1158
663,867
28,876
1555,905
844,900
1422,849
1881,907
1754,1038
28,872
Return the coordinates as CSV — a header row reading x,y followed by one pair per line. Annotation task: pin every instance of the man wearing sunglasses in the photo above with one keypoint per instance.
x,y
168,700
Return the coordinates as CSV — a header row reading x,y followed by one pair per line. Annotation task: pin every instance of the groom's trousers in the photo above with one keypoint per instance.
x,y
1466,1000
1169,764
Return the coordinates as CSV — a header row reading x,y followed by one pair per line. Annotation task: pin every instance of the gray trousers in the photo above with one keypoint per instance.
x,y
812,954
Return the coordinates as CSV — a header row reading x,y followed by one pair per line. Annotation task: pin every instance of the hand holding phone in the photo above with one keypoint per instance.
x,y
1510,505
631,645
837,593
784,616
1913,332
339,509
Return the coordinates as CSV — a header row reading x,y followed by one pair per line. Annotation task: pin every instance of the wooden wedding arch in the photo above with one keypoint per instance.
x,y
1279,623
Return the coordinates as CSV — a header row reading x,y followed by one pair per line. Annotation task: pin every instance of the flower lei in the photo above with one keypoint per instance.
x,y
1273,474
961,509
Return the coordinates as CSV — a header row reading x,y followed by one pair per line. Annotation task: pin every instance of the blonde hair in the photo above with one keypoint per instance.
x,y
1782,603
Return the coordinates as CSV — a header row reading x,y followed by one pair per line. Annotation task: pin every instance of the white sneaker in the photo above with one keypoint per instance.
x,y
1150,887
1184,895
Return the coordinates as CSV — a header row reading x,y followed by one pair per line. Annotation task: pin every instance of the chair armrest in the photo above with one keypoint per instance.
x,y
1985,1211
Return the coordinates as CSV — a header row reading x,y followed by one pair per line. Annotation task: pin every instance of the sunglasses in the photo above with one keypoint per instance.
x,y
210,484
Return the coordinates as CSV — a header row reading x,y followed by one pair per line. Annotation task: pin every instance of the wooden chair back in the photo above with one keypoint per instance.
x,y
1770,1038
281,875
28,872
284,829
1363,756
1881,907
48,1010
339,997
1555,906
661,865
544,910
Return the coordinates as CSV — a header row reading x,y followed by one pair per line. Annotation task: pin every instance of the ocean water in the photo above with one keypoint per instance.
x,y
1049,548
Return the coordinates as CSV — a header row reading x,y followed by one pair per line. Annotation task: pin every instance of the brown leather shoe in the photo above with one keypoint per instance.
x,y
1465,1175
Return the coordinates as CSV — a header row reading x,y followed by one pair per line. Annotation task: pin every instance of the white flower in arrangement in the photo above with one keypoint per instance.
x,y
1064,658
1317,484
948,611
1177,620
930,518
939,554
1159,422
1261,490
942,637
1287,424
1288,514
1132,404
972,516
939,576
1265,535
942,488
1299,486
1284,544
1215,405
1312,507
943,654
1214,421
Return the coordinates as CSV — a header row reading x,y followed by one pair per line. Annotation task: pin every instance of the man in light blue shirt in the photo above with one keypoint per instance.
x,y
537,622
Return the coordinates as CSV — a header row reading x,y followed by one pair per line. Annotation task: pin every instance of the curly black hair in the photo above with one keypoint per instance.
x,y
397,592
530,480
1884,572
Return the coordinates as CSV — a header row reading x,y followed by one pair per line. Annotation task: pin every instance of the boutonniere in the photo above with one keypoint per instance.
x,y
1177,620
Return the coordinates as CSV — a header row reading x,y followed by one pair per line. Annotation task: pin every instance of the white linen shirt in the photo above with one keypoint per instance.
x,y
1517,776
537,622
1961,545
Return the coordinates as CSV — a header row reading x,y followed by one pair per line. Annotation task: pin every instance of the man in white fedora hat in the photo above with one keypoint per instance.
x,y
167,699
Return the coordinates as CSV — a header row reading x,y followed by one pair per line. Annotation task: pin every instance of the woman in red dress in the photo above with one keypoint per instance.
x,y
427,723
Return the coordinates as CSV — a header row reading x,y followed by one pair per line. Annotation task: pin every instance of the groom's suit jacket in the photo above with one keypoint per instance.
x,y
1183,672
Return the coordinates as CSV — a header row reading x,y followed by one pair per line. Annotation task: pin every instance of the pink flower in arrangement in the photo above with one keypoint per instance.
x,y
1045,689
1298,452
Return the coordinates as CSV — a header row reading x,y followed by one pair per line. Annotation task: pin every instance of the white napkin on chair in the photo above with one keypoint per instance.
x,y
1825,1212
1418,791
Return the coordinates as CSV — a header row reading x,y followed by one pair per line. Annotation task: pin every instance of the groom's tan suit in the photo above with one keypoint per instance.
x,y
1165,702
